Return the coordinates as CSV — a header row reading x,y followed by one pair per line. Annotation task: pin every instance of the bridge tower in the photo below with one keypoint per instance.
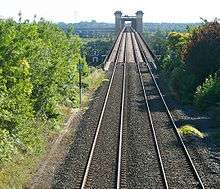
x,y
118,21
136,21
139,21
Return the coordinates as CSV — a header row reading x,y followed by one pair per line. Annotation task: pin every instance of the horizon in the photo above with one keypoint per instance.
x,y
74,11
143,22
98,22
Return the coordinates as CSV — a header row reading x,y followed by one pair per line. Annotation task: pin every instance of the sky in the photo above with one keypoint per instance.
x,y
103,10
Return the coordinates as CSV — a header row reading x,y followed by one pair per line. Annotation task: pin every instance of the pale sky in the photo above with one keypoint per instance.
x,y
103,10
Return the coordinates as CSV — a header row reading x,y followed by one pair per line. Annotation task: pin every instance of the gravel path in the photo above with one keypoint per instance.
x,y
102,173
129,50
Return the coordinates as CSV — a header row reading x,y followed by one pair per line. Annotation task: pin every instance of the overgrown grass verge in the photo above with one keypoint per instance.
x,y
17,171
17,168
93,81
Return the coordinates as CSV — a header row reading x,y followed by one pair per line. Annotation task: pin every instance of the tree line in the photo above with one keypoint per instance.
x,y
190,61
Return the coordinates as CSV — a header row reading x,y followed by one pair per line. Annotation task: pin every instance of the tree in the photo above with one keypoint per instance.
x,y
202,52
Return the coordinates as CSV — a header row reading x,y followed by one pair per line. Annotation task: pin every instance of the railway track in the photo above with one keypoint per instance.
x,y
177,167
108,165
110,175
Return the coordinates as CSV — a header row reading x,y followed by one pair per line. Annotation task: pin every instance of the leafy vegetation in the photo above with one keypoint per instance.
x,y
156,41
190,61
208,94
201,53
189,130
38,78
97,47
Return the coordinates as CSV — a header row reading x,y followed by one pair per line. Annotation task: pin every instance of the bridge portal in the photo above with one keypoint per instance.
x,y
136,21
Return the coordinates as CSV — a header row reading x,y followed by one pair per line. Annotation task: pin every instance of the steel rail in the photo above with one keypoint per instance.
x,y
110,51
170,116
148,48
122,117
150,118
101,116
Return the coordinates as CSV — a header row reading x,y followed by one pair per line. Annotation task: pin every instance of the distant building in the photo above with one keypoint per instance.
x,y
95,58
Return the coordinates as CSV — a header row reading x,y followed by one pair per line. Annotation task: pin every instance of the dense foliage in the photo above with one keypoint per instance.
x,y
202,52
38,75
208,94
97,47
191,63
156,41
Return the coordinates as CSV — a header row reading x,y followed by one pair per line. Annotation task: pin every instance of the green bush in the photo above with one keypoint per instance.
x,y
177,40
7,146
201,53
208,94
156,40
189,130
38,80
38,73
176,77
182,83
170,62
189,59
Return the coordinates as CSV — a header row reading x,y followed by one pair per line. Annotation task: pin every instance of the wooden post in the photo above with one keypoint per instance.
x,y
80,67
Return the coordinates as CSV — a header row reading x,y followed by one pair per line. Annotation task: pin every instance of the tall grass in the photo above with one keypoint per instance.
x,y
189,130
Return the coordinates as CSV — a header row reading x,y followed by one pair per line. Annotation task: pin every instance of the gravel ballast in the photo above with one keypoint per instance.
x,y
177,168
143,168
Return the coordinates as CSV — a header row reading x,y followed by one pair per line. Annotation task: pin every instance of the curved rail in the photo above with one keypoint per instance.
x,y
101,117
170,116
